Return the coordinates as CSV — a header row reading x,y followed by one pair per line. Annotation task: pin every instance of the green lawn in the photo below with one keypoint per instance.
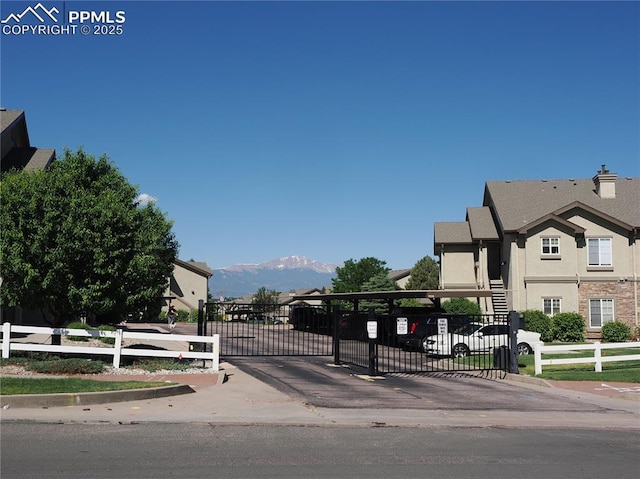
x,y
27,385
626,372
623,371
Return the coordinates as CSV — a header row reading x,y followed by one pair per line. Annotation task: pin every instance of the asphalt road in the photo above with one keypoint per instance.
x,y
317,382
152,450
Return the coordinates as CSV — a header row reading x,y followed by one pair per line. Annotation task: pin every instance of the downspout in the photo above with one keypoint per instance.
x,y
520,278
635,275
442,279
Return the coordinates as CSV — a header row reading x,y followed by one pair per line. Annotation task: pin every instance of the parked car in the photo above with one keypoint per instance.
x,y
413,316
476,338
354,326
310,318
419,328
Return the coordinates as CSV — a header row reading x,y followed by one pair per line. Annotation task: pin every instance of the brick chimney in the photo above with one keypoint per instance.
x,y
605,183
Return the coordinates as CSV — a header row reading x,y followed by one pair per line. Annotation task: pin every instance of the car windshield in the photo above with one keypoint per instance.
x,y
468,329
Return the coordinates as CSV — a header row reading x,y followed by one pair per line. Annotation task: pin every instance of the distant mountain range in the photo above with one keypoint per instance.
x,y
282,275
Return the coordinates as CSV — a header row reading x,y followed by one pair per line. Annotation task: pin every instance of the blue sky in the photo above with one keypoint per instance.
x,y
333,130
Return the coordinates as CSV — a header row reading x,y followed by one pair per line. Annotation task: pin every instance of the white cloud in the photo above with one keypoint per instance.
x,y
144,199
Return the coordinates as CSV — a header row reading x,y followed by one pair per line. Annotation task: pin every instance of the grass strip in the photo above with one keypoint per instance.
x,y
622,371
24,385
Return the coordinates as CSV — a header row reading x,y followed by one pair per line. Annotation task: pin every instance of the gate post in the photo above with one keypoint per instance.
x,y
336,334
373,359
200,317
514,324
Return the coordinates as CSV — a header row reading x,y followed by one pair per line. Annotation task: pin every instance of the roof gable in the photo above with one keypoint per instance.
x,y
555,218
195,267
517,203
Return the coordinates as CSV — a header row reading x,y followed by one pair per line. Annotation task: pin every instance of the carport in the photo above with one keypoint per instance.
x,y
382,354
433,295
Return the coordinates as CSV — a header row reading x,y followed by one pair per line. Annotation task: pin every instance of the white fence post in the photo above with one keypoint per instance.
x,y
117,349
598,356
215,349
537,356
6,340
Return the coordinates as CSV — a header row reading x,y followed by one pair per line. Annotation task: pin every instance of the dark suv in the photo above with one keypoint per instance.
x,y
420,328
310,318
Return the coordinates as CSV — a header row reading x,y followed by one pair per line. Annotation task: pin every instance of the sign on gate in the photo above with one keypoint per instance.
x,y
443,326
401,326
372,329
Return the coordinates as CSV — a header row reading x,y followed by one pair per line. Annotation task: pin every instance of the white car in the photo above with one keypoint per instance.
x,y
476,338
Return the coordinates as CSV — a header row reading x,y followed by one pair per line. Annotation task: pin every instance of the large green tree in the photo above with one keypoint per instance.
x,y
425,274
354,274
266,299
76,240
379,282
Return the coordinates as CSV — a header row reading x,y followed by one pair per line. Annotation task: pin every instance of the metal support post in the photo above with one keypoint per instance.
x,y
336,334
373,340
515,323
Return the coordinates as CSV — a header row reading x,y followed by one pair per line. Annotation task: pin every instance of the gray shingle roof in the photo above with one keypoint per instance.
x,y
398,274
518,203
451,232
28,159
8,117
481,223
17,152
197,267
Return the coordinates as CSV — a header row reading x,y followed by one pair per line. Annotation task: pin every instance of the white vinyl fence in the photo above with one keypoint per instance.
x,y
116,350
597,358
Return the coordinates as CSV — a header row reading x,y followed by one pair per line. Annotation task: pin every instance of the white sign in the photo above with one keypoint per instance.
x,y
372,329
401,326
443,326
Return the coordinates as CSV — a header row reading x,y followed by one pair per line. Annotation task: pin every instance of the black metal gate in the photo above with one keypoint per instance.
x,y
427,343
270,329
405,341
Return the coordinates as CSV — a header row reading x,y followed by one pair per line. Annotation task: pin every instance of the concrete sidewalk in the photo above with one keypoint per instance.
x,y
235,397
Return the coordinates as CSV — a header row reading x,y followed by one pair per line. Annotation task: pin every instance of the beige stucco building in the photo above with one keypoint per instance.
x,y
188,284
552,245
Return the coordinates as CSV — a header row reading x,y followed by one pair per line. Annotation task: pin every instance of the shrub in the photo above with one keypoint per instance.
x,y
461,306
615,332
160,364
66,366
568,327
182,315
107,327
78,325
536,321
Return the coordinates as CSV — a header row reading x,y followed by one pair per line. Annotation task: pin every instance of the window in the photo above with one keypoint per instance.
x,y
600,312
599,250
551,245
551,306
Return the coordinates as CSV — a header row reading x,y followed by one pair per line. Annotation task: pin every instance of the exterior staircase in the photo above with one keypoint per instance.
x,y
498,297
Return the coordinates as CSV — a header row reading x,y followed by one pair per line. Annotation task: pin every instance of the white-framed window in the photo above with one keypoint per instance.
x,y
551,245
599,252
551,306
600,312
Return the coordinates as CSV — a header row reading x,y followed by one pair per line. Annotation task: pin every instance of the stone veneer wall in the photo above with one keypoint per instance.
x,y
621,292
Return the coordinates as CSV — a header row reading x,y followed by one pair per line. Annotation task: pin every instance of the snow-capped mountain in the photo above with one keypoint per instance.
x,y
287,262
283,274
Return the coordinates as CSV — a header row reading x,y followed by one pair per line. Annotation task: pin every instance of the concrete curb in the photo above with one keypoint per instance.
x,y
82,399
523,378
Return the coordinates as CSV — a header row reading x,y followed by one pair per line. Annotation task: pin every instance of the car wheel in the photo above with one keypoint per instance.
x,y
423,345
524,349
460,351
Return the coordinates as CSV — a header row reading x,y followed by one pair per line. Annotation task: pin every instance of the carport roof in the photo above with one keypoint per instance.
x,y
411,293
